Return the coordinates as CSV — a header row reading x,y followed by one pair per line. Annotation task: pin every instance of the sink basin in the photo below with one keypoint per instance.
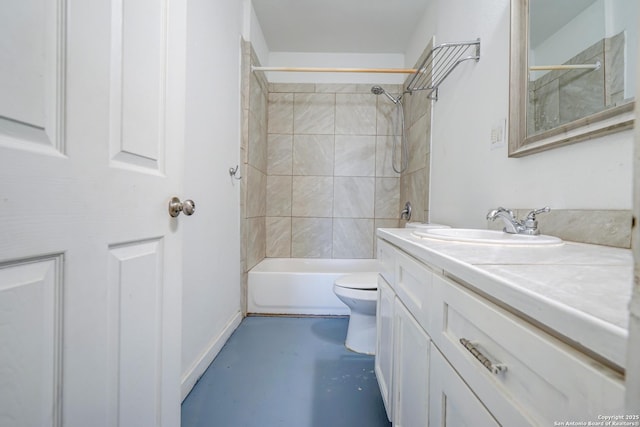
x,y
487,237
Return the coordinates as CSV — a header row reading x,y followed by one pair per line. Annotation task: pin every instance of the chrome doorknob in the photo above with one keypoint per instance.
x,y
176,206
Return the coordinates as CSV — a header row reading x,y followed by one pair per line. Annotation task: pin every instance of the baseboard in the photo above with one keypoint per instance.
x,y
196,370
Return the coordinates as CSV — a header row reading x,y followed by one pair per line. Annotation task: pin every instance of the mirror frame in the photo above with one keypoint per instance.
x,y
611,120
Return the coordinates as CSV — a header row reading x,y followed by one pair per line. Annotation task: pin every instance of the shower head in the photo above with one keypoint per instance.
x,y
378,90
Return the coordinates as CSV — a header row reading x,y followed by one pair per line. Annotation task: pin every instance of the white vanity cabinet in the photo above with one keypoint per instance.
x,y
447,355
384,343
402,360
410,370
402,350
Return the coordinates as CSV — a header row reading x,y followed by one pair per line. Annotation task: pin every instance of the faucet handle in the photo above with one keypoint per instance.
x,y
530,222
532,215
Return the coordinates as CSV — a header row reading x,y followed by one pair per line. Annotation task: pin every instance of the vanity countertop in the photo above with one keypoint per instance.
x,y
578,291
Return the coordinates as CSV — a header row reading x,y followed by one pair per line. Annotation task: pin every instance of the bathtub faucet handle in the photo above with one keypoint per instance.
x,y
406,212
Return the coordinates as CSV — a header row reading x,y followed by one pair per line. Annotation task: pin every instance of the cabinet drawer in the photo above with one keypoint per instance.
x,y
545,380
414,284
386,255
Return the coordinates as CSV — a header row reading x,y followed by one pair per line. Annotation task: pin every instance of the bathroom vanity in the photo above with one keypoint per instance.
x,y
483,335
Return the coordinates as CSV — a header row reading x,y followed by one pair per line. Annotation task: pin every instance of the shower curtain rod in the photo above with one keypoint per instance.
x,y
595,66
337,70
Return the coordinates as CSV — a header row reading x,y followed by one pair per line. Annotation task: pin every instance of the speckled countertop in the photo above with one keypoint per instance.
x,y
579,291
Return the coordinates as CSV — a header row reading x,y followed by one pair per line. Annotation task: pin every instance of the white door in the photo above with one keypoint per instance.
x,y
91,135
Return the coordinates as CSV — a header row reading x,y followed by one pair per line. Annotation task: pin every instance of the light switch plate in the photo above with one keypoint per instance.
x,y
498,130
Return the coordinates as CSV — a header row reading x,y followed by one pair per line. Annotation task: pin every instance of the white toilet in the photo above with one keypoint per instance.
x,y
359,292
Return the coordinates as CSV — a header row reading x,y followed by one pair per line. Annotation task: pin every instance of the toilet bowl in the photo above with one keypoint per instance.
x,y
359,292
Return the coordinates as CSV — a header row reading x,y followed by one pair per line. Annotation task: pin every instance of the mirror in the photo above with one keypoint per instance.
x,y
572,71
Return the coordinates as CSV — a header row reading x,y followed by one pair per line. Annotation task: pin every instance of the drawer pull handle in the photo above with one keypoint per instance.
x,y
495,368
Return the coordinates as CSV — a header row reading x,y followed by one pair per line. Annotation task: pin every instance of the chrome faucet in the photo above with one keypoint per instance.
x,y
529,225
406,212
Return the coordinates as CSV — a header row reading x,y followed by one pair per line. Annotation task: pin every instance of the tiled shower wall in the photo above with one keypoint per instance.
x,y
316,170
253,153
414,185
329,180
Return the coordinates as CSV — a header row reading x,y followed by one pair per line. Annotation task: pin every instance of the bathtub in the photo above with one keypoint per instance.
x,y
300,285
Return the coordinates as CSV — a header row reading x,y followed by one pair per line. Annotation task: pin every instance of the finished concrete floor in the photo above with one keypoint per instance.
x,y
287,371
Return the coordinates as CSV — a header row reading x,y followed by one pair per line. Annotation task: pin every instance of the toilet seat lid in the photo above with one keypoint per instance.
x,y
368,280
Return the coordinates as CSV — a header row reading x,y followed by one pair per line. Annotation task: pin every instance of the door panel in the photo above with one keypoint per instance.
x,y
31,105
83,214
136,290
138,98
30,309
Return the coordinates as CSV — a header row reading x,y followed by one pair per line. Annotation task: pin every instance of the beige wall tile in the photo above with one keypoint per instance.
x,y
600,227
387,198
313,154
384,155
256,192
336,88
418,140
386,223
314,113
256,235
278,230
353,238
355,155
280,116
311,237
418,193
279,154
416,105
257,143
258,98
354,197
388,119
292,87
278,195
355,114
597,227
312,196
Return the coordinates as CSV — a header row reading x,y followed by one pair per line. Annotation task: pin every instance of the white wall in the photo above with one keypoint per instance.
x,y
211,278
252,32
467,178
422,34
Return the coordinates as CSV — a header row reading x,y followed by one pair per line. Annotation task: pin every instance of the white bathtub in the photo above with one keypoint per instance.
x,y
300,285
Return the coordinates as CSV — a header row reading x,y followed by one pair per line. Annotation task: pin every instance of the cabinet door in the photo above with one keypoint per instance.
x,y
451,402
411,370
384,343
